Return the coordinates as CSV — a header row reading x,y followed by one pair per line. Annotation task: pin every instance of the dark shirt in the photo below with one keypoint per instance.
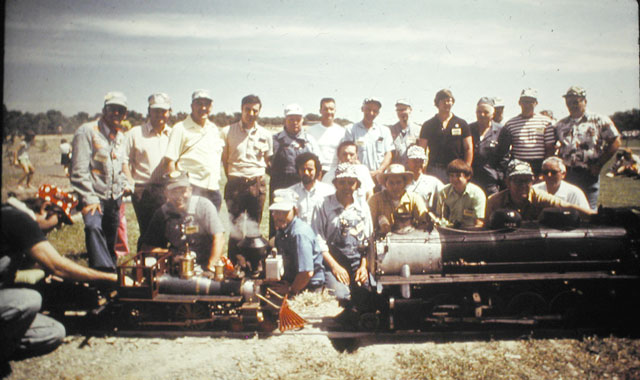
x,y
201,223
487,169
445,145
18,235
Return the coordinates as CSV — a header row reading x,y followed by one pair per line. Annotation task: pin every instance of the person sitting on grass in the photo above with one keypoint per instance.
x,y
626,163
23,331
461,203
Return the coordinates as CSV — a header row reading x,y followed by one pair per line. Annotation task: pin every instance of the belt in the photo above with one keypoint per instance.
x,y
244,180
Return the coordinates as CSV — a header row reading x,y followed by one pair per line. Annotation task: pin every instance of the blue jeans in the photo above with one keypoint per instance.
x,y
24,332
100,230
340,290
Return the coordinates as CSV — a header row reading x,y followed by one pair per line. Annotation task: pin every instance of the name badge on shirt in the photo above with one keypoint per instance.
x,y
468,212
357,229
360,142
540,129
456,131
190,230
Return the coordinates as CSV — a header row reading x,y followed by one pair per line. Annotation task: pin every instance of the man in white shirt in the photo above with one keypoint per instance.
x,y
348,152
554,172
375,145
425,185
144,147
195,146
311,192
327,134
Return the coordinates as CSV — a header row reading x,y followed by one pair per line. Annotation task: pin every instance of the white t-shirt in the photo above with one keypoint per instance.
x,y
328,139
567,192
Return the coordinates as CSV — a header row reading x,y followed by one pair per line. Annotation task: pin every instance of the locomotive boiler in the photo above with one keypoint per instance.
x,y
555,270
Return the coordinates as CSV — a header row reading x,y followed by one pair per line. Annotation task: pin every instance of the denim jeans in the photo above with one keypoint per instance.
x,y
340,290
24,332
100,230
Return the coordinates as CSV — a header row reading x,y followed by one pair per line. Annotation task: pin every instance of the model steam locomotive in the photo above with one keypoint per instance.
x,y
165,289
554,270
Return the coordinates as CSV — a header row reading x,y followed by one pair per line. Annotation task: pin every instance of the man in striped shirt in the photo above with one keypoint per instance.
x,y
529,137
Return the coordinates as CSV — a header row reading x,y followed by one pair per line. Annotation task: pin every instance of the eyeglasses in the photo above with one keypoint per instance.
x,y
550,172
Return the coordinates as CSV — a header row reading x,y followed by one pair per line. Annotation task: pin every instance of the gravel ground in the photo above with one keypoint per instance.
x,y
308,354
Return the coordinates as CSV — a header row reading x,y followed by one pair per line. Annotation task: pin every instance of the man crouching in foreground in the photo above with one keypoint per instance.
x,y
297,243
23,331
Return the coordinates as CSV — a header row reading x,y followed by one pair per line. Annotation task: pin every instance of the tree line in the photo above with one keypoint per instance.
x,y
16,123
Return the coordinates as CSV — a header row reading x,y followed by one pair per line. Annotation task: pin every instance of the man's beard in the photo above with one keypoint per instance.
x,y
307,180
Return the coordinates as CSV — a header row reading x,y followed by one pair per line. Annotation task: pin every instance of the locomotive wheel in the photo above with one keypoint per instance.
x,y
189,312
526,304
369,322
235,324
570,304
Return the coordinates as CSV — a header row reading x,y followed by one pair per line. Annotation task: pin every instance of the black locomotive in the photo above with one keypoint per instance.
x,y
553,271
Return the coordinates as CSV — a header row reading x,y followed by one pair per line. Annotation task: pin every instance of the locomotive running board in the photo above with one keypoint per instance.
x,y
494,277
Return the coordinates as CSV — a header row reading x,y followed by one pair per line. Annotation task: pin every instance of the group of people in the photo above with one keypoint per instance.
x,y
332,189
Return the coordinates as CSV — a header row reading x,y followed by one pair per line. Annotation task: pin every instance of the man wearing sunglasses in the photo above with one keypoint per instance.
x,y
97,176
553,172
523,198
587,141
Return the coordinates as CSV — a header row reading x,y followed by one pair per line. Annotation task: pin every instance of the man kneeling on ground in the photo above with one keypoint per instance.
x,y
23,331
297,243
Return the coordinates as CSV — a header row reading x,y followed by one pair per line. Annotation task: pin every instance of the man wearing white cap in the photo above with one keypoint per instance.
x,y
427,186
348,153
144,148
328,134
529,136
404,133
96,175
394,206
195,146
297,243
287,145
375,145
344,227
587,141
498,105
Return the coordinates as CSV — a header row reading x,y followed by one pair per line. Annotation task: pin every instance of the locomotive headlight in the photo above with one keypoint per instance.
x,y
249,290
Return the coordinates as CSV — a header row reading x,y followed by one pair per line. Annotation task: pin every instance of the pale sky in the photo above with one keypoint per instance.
x,y
66,54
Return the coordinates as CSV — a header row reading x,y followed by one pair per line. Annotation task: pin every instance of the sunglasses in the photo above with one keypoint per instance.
x,y
550,172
